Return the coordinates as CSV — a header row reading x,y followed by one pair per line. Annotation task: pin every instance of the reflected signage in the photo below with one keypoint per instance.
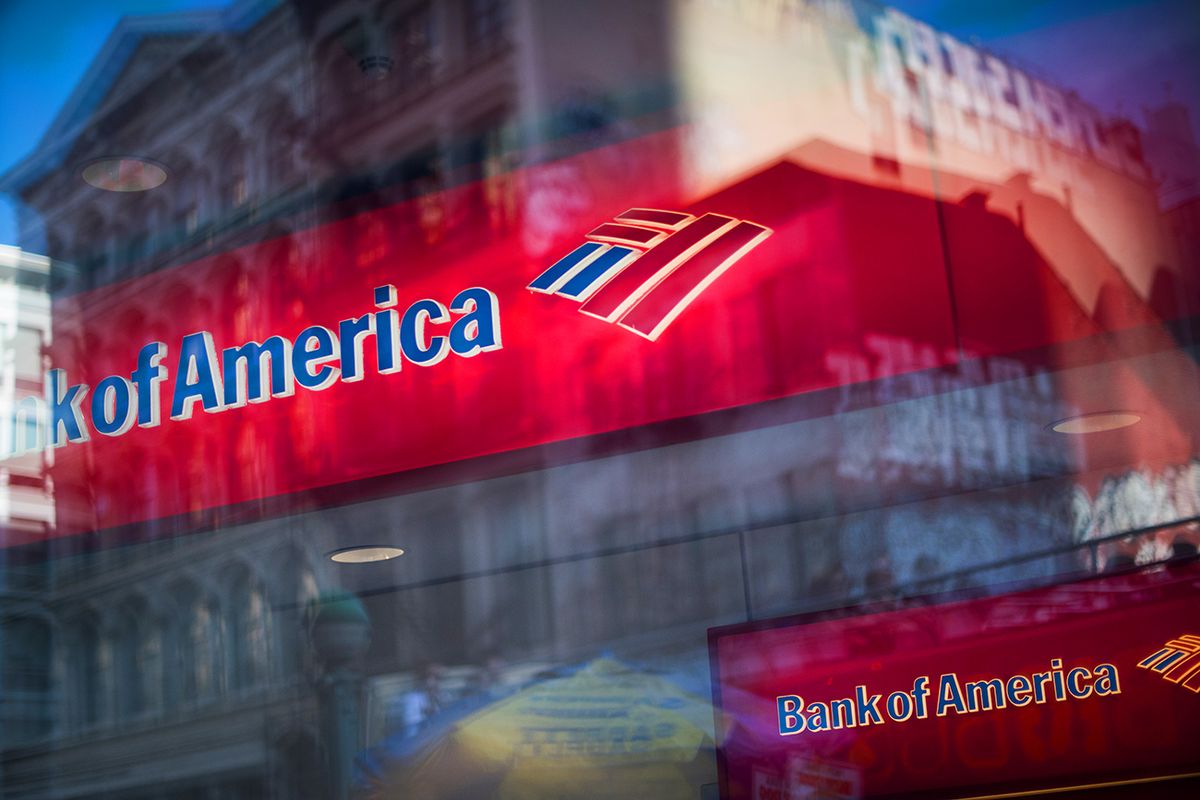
x,y
256,372
1084,683
781,284
952,696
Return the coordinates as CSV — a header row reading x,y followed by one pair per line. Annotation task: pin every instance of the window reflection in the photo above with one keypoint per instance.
x,y
248,633
197,660
26,675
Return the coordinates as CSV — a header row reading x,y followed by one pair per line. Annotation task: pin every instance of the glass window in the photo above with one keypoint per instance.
x,y
576,399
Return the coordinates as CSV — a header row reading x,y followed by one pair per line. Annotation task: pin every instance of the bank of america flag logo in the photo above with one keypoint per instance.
x,y
645,267
1178,661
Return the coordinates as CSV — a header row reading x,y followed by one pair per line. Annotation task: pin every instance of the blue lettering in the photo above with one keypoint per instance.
x,y
387,331
868,708
479,330
351,333
304,358
197,377
1078,690
985,695
66,414
146,378
818,718
413,337
841,713
899,706
254,373
1017,691
920,694
385,296
387,342
791,721
245,378
950,696
112,407
1040,679
1107,681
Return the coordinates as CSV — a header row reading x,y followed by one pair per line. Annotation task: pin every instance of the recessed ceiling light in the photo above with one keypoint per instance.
x,y
124,174
365,554
1096,423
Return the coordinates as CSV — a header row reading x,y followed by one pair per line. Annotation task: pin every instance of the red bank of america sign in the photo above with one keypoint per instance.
x,y
642,278
359,349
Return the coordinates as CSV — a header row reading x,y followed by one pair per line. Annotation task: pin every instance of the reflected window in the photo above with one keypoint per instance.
x,y
90,252
281,148
298,590
415,46
248,634
185,218
128,694
196,662
488,160
230,160
150,660
25,713
88,670
139,662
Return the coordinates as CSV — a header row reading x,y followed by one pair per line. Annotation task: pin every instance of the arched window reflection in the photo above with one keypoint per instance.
x,y
150,658
229,160
195,642
202,643
88,672
90,251
139,661
297,590
306,596
248,633
254,629
24,680
128,696
281,152
189,197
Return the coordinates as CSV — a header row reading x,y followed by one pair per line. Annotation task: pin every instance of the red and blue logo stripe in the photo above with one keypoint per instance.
x,y
642,270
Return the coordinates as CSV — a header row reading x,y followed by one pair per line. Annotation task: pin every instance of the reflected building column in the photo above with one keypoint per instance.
x,y
340,633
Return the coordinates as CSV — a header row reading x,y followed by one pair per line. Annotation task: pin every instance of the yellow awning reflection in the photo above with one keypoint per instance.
x,y
605,731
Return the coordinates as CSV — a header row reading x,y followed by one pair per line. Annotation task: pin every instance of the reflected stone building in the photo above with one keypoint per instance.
x,y
172,660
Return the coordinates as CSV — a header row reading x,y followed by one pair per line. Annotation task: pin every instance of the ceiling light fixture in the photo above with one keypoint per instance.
x,y
1096,423
124,174
365,554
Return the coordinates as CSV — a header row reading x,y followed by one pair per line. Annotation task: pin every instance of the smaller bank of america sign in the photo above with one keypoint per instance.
x,y
642,270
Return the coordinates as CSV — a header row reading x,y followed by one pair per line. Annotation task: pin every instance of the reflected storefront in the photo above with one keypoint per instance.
x,y
553,399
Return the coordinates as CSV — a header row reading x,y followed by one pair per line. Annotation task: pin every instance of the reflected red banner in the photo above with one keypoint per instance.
x,y
1117,658
844,262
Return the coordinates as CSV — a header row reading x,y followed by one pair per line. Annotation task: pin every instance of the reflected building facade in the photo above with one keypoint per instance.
x,y
27,498
169,656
